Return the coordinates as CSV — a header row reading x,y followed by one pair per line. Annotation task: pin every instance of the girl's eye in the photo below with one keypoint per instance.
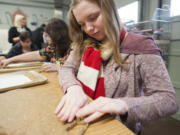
x,y
93,17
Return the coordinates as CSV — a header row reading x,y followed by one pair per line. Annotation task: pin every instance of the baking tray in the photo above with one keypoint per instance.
x,y
10,81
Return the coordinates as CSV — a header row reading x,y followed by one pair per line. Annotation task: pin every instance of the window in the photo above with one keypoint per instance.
x,y
175,10
129,12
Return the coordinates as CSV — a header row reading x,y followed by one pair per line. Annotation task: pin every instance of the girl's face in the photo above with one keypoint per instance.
x,y
89,17
47,38
27,43
23,22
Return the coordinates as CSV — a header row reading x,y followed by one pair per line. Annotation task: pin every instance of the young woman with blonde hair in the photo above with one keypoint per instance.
x,y
19,26
112,67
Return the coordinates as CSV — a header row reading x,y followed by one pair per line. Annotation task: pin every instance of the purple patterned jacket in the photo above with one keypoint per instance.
x,y
146,71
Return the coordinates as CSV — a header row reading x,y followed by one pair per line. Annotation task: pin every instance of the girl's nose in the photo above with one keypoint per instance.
x,y
89,28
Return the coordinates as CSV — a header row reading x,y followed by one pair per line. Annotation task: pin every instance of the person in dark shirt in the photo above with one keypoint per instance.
x,y
19,26
37,36
23,46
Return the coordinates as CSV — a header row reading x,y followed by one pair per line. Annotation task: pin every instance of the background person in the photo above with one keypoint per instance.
x,y
20,25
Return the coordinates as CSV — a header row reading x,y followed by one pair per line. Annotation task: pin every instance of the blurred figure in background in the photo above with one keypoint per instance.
x,y
23,46
57,35
19,26
37,36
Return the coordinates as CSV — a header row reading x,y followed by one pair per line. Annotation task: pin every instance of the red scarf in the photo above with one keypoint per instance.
x,y
90,73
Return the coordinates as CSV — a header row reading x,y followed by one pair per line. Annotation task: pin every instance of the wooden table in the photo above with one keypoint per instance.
x,y
105,126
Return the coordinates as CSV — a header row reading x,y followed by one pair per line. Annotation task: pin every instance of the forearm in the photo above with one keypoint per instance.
x,y
67,73
27,57
146,108
67,78
16,39
160,99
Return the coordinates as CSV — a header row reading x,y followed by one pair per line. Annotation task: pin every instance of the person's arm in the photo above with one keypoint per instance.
x,y
12,35
50,67
160,99
16,39
67,73
75,98
26,57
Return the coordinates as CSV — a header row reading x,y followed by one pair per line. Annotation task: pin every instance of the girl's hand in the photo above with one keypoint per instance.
x,y
101,106
50,67
16,39
72,101
4,63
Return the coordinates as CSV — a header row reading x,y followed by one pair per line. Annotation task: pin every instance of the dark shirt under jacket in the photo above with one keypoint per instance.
x,y
37,37
13,32
17,50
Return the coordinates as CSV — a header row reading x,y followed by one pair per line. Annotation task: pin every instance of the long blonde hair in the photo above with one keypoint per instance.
x,y
17,20
112,28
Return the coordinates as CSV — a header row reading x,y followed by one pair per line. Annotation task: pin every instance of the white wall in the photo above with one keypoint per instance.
x,y
121,3
38,11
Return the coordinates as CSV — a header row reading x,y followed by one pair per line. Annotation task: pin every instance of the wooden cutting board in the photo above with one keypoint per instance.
x,y
22,79
21,66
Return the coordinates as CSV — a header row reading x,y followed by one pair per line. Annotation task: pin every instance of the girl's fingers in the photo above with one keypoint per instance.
x,y
92,107
60,106
43,67
73,114
47,69
93,117
67,112
62,114
86,110
46,65
106,109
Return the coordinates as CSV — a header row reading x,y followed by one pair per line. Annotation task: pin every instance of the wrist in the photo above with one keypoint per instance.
x,y
126,106
123,106
10,60
74,87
